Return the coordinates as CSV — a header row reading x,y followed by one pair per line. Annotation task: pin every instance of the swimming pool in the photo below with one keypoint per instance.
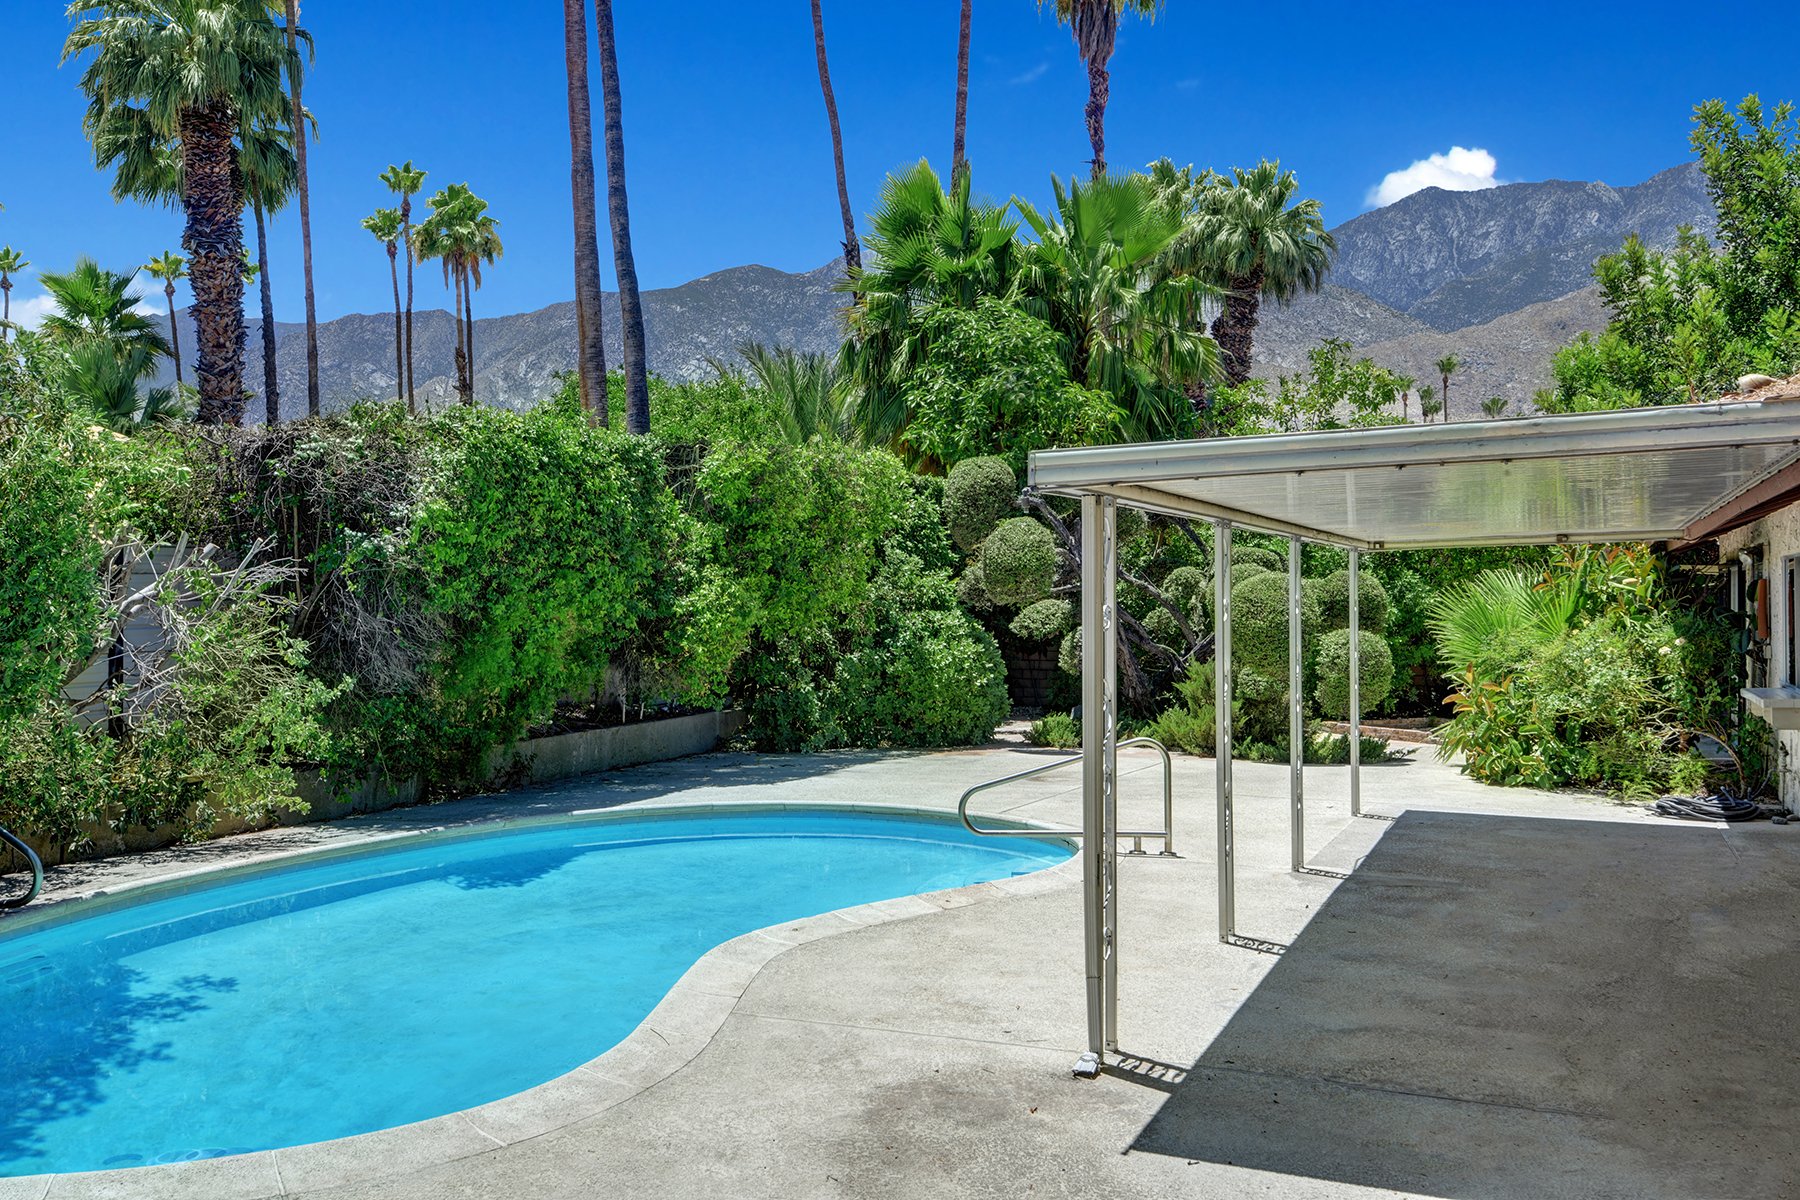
x,y
272,1008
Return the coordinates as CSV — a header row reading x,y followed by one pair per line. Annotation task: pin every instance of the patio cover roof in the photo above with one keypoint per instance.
x,y
1648,474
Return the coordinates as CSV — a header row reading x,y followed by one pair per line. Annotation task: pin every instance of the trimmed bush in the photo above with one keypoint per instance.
x,y
978,495
971,591
1259,621
1018,562
1184,585
1160,624
1241,571
1268,560
1333,667
1068,655
1058,729
1044,621
1334,601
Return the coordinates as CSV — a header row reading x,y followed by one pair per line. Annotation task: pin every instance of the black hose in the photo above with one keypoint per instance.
x,y
1721,807
37,871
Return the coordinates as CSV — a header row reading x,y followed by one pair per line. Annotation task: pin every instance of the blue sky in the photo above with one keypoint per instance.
x,y
727,145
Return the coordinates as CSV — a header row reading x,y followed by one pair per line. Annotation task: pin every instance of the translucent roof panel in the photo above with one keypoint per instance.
x,y
1640,474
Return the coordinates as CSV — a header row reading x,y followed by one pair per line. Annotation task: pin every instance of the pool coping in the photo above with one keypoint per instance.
x,y
671,1036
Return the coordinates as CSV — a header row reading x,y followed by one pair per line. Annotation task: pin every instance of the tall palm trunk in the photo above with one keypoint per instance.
x,y
456,310
399,345
1096,32
1234,329
6,307
214,239
469,336
304,192
852,248
174,333
590,345
271,389
412,399
958,159
631,312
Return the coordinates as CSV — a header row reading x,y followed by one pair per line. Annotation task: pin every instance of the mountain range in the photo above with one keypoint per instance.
x,y
1500,277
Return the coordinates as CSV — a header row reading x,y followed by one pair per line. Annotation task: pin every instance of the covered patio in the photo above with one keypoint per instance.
x,y
1635,475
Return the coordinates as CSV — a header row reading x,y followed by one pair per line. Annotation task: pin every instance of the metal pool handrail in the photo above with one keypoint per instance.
x,y
1137,836
37,870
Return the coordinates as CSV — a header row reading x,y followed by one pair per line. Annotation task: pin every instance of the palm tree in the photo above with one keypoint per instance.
x,y
384,223
801,385
107,380
192,73
171,268
590,342
631,312
1247,236
405,181
1446,367
94,305
1095,24
852,251
1404,384
1428,405
11,263
1494,406
959,162
305,193
463,236
271,173
1098,276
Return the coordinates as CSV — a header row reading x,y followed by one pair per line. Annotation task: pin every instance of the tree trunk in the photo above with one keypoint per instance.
x,y
852,248
306,263
959,162
456,309
412,396
214,238
271,389
6,306
399,343
1234,329
631,313
469,337
590,346
174,333
1104,35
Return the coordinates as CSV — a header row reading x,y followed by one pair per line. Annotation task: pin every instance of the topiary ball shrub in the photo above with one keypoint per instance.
x,y
1259,622
1241,571
1018,562
1334,601
1160,624
971,591
1184,585
978,495
1268,560
1044,621
1068,655
1333,667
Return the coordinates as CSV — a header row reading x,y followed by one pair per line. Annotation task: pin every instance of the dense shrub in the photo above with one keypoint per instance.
x,y
1334,601
1258,556
1058,729
978,495
1187,586
1018,562
1043,621
1332,664
1241,571
1259,621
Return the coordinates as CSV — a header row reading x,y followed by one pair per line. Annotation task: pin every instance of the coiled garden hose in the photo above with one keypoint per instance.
x,y
1722,806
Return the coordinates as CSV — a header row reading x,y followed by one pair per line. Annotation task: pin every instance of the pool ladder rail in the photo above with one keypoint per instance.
x,y
1166,834
37,870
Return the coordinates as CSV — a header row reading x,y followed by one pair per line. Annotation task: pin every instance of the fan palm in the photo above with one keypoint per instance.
x,y
1446,367
1494,406
94,305
929,247
1493,618
384,223
1246,234
193,73
802,387
171,268
1428,404
107,381
405,181
461,234
11,263
1095,24
590,341
618,210
1096,275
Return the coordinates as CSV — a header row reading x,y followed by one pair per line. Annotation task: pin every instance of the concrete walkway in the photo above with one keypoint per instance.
x,y
1513,994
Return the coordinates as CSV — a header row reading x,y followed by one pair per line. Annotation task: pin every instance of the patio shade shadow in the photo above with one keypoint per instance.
x,y
1513,1007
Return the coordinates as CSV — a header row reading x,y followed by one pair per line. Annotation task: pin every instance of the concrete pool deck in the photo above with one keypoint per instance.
x,y
1514,994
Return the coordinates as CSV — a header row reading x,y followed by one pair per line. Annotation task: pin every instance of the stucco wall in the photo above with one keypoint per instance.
x,y
1779,536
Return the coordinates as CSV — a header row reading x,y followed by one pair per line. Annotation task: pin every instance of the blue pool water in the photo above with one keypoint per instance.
x,y
341,996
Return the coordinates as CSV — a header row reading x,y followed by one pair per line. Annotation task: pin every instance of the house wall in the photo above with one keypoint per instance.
x,y
1778,534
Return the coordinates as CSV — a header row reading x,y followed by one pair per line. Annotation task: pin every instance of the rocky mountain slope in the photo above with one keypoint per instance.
x,y
1499,277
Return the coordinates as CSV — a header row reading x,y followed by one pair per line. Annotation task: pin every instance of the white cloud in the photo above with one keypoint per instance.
x,y
1460,170
1032,76
28,312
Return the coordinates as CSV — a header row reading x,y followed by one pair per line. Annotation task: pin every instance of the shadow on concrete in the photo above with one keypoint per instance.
x,y
1510,1006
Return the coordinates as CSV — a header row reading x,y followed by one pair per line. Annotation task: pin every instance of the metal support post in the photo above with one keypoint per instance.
x,y
1296,718
1356,683
1222,728
1099,769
